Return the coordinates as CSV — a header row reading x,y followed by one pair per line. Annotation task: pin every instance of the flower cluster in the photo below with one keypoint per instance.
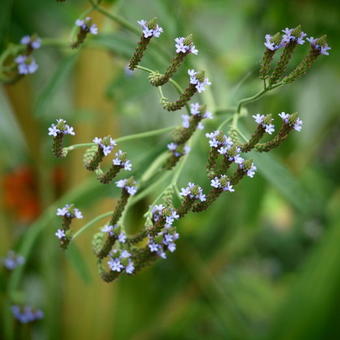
x,y
61,128
106,144
272,43
12,260
26,314
129,185
69,211
178,150
26,64
150,29
163,241
114,230
265,121
323,48
289,40
195,110
218,140
121,261
182,46
222,182
32,42
86,25
193,192
197,81
160,212
287,118
120,160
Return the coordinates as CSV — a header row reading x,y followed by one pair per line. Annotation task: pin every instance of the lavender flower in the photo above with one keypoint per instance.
x,y
120,159
34,42
186,121
322,48
26,65
288,119
288,36
12,260
106,144
69,211
60,234
127,184
200,85
270,43
218,140
265,122
121,261
109,229
163,241
182,47
193,191
86,25
26,314
223,183
148,31
61,128
178,150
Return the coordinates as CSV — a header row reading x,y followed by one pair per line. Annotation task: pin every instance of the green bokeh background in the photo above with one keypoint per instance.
x,y
262,263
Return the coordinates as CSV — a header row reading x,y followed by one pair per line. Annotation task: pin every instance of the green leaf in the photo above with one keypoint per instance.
x,y
78,262
312,309
283,180
62,72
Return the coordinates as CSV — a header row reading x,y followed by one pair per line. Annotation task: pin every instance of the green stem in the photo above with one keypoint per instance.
x,y
90,223
121,21
174,83
124,138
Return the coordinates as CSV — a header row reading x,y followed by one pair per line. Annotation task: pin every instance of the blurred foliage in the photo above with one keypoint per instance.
x,y
261,263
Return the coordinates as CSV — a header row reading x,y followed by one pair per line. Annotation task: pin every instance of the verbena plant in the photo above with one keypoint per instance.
x,y
227,161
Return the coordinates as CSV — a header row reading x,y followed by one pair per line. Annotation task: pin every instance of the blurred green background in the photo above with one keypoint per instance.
x,y
262,263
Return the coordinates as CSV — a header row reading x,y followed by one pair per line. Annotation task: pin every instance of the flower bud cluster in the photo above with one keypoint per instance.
x,y
58,131
25,63
85,27
120,261
68,213
149,30
288,41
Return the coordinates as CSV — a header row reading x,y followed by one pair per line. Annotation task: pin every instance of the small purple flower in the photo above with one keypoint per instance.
x,y
26,65
181,47
298,124
251,171
195,109
261,120
270,44
69,211
130,268
148,32
106,144
186,121
122,237
193,191
60,234
127,184
12,260
34,42
85,24
115,265
26,314
172,146
60,128
109,229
